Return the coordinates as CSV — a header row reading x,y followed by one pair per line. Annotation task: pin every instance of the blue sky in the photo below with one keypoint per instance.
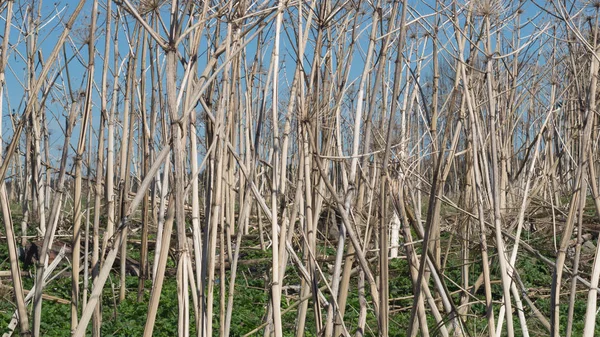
x,y
57,12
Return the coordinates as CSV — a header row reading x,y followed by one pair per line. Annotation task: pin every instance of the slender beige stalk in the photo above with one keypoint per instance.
x,y
214,218
196,231
162,214
593,290
145,149
222,276
476,174
77,210
504,274
160,276
178,152
591,311
8,226
53,220
3,63
28,202
110,150
384,180
435,243
127,148
275,277
14,263
88,210
38,176
580,192
244,214
351,191
96,320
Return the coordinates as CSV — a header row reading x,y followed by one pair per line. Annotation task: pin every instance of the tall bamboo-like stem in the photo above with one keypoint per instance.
x,y
3,63
177,149
97,318
496,184
162,180
222,253
343,51
593,291
308,218
48,184
4,201
77,210
9,229
214,221
88,210
8,226
580,192
162,204
14,264
435,242
306,211
53,220
483,238
591,311
276,180
160,276
127,147
385,178
227,215
145,130
161,185
196,232
110,150
475,171
29,169
215,203
38,178
351,191
243,219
